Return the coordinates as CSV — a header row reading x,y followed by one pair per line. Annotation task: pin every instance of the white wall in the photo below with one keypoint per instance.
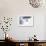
x,y
14,8
45,29
23,33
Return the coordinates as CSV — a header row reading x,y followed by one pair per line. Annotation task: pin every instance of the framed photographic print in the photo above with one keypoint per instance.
x,y
25,20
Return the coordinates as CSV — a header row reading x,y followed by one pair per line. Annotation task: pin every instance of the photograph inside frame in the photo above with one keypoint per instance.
x,y
26,20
